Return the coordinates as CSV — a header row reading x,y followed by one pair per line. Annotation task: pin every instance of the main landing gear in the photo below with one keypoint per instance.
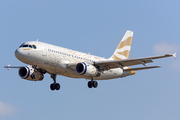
x,y
54,86
92,83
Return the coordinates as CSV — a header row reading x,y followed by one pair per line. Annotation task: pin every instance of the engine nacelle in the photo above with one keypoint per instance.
x,y
87,70
29,73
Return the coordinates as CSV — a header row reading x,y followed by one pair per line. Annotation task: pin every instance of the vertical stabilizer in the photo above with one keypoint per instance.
x,y
123,49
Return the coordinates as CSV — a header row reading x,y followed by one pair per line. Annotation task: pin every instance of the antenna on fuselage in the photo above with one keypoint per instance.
x,y
37,40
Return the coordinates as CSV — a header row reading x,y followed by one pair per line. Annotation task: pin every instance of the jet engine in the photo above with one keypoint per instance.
x,y
29,73
87,70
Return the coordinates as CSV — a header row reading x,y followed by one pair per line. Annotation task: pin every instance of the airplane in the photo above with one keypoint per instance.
x,y
46,58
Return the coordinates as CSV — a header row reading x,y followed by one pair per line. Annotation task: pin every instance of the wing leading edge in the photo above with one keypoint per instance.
x,y
111,64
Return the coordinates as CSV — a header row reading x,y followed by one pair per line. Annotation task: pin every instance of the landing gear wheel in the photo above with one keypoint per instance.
x,y
94,84
90,84
52,86
57,86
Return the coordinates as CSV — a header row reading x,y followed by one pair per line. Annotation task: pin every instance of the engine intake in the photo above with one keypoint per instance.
x,y
87,70
29,73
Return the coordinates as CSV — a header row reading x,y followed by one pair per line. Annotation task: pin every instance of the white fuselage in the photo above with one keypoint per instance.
x,y
55,60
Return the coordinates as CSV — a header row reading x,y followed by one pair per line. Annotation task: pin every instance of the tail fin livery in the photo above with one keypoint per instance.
x,y
123,49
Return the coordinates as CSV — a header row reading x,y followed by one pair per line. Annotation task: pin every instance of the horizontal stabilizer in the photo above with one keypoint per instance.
x,y
13,66
141,68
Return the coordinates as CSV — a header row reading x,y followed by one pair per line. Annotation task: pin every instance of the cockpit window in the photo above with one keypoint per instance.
x,y
21,45
29,46
34,46
25,46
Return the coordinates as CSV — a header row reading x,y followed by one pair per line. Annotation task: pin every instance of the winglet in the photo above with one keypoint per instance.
x,y
174,55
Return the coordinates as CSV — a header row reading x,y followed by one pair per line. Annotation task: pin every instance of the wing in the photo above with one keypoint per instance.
x,y
129,62
110,64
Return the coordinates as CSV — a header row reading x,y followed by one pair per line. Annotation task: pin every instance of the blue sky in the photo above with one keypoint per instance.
x,y
95,27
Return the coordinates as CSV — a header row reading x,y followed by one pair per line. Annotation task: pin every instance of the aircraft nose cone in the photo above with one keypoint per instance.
x,y
22,55
18,54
